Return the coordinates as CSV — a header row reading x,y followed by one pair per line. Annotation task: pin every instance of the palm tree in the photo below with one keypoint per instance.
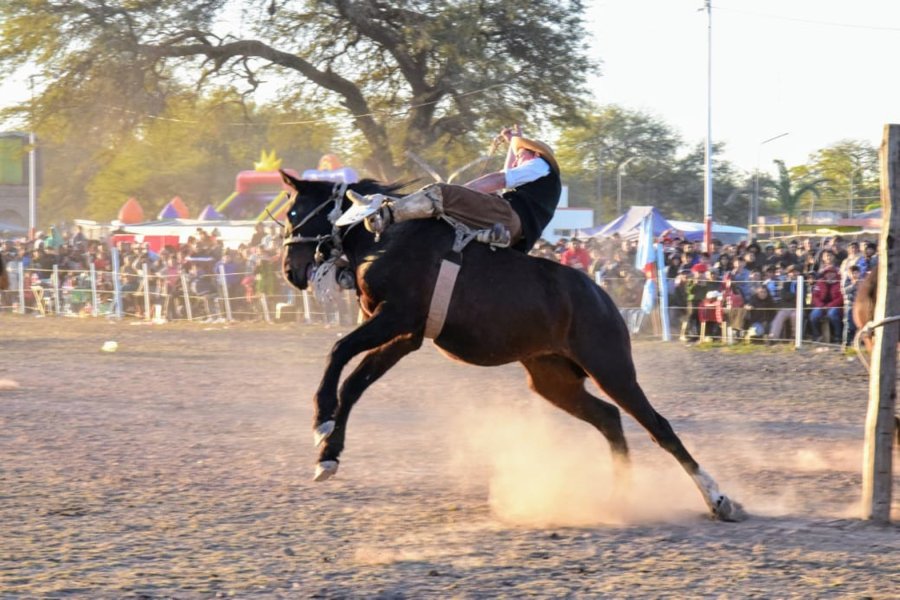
x,y
787,196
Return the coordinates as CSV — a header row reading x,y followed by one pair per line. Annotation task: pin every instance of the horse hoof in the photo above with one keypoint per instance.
x,y
321,433
729,511
325,470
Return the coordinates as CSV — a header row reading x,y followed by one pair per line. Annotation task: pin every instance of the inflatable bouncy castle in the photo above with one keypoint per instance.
x,y
256,190
259,192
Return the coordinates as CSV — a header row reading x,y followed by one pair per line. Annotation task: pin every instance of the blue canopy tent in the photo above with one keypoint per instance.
x,y
628,225
9,230
693,232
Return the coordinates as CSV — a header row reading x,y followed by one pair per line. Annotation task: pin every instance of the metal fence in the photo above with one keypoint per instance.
x,y
221,297
158,297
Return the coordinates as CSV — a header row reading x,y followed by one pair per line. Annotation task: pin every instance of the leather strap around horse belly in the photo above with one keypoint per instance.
x,y
440,298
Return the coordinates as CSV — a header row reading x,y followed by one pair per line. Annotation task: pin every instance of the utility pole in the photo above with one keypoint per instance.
x,y
754,203
32,162
708,181
619,170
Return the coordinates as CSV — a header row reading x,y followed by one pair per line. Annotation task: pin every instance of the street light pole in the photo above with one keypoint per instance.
x,y
754,203
32,162
853,188
619,170
600,177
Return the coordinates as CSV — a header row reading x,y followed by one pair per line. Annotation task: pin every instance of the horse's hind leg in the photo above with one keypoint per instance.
x,y
616,377
561,381
375,364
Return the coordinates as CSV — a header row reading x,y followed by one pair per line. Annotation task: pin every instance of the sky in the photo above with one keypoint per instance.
x,y
818,70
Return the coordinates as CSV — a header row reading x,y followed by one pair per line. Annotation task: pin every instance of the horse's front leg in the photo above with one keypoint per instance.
x,y
378,330
369,370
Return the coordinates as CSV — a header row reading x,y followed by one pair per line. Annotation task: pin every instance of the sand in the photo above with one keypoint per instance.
x,y
180,464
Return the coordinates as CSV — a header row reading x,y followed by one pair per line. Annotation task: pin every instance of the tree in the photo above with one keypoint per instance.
x,y
790,188
852,169
429,76
591,153
661,172
193,149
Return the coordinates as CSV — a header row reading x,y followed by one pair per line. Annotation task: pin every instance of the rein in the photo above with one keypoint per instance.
x,y
327,274
336,198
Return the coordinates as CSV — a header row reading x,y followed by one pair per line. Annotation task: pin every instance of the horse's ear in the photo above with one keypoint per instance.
x,y
289,180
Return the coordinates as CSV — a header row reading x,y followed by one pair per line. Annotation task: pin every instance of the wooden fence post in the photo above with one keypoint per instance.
x,y
877,452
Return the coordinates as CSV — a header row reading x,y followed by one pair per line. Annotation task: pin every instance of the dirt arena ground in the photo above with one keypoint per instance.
x,y
180,466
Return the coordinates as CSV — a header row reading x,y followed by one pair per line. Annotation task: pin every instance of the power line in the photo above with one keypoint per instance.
x,y
383,113
809,21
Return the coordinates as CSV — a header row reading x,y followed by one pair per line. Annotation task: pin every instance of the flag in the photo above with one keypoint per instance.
x,y
646,254
645,261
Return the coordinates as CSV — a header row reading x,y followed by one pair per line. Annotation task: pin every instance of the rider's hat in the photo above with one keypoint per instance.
x,y
535,146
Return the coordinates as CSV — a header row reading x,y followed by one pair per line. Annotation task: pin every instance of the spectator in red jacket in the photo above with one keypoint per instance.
x,y
828,302
576,256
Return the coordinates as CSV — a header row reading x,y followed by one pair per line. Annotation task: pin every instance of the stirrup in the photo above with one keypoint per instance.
x,y
363,207
497,236
378,222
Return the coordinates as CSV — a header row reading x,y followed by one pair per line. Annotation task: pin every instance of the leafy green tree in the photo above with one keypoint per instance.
x,y
591,153
428,76
657,168
792,185
193,149
852,170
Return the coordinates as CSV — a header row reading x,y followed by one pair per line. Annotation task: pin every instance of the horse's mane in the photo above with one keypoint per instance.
x,y
373,186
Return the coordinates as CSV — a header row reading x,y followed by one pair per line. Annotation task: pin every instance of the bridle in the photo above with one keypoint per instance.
x,y
328,270
336,199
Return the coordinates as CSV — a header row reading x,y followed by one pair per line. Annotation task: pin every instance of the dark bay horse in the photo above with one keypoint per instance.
x,y
864,303
864,313
4,278
505,307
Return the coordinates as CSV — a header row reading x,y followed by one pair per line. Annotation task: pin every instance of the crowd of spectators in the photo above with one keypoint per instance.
x,y
753,286
251,271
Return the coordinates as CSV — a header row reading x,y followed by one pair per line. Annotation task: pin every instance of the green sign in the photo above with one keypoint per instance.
x,y
12,164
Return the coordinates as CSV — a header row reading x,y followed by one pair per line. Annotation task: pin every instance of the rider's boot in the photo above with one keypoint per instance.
x,y
422,204
378,211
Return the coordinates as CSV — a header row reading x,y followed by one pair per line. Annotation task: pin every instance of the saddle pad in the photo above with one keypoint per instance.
x,y
440,298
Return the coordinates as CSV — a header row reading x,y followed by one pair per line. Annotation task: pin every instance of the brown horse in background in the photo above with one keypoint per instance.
x,y
864,304
864,313
4,278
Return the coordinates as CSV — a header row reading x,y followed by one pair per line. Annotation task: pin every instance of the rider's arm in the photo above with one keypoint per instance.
x,y
526,172
488,184
511,178
509,134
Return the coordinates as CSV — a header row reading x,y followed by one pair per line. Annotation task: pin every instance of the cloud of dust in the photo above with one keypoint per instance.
x,y
8,384
779,477
548,469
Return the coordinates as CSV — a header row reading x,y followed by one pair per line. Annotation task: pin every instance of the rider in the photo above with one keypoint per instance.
x,y
516,216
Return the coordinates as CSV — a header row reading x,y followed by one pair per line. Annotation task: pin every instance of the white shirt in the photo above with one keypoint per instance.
x,y
526,173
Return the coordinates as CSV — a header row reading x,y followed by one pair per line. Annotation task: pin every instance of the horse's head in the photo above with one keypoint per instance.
x,y
310,235
309,228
